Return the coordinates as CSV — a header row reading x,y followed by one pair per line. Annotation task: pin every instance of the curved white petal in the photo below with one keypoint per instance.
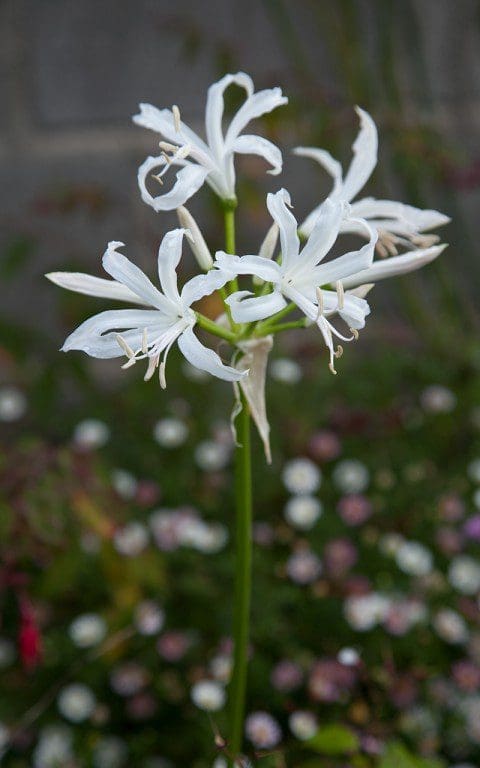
x,y
189,180
206,359
354,311
278,204
396,265
348,264
323,235
399,218
163,122
94,286
125,271
247,310
197,242
364,160
169,255
266,269
97,335
203,285
215,105
269,244
257,145
254,106
332,166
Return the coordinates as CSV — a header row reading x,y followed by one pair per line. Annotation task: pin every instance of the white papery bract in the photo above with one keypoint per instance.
x,y
301,275
394,221
146,334
210,161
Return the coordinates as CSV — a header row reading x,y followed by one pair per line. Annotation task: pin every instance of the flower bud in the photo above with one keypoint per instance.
x,y
197,242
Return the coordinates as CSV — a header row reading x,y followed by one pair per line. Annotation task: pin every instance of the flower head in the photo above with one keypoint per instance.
x,y
210,161
146,334
395,222
301,277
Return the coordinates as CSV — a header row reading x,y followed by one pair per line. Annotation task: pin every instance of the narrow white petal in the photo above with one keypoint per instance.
x,y
162,121
266,269
254,106
257,145
397,217
278,204
255,360
354,311
203,285
97,336
189,180
206,359
323,235
364,160
396,265
332,166
124,271
215,106
169,255
247,310
348,264
94,286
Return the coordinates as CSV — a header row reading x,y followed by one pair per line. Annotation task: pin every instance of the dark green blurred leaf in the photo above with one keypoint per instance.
x,y
15,256
334,740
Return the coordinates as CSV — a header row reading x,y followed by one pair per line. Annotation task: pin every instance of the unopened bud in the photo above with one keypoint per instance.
x,y
197,242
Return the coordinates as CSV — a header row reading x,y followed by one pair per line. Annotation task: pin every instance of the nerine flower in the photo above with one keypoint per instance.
x,y
302,275
146,334
395,222
210,161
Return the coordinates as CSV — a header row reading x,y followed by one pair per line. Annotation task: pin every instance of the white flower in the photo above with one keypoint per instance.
x,y
13,404
364,612
303,511
474,470
210,161
221,667
149,618
349,657
91,433
351,476
170,432
262,730
464,575
76,702
124,483
109,752
450,626
301,476
394,221
414,559
438,399
131,539
285,370
147,333
54,747
204,537
208,695
211,456
87,630
303,725
301,276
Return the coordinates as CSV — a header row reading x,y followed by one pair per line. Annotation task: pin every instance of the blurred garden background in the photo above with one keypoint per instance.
x,y
116,501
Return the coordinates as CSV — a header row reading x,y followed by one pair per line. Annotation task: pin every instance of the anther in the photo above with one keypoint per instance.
x,y
340,294
339,351
161,375
144,341
176,117
167,147
152,364
158,177
332,368
124,345
129,363
354,333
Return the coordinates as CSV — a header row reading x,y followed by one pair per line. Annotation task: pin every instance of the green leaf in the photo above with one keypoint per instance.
x,y
398,756
334,740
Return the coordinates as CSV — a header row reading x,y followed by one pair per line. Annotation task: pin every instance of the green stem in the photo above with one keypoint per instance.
x,y
214,328
260,329
267,329
243,579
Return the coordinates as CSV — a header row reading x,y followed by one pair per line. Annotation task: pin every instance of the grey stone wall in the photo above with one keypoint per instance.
x,y
73,71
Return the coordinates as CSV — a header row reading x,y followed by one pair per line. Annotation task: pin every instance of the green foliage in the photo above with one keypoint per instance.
x,y
334,740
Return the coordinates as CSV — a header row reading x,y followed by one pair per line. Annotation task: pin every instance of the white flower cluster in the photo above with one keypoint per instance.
x,y
294,276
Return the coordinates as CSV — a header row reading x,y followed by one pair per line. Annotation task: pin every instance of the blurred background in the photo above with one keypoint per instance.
x,y
115,497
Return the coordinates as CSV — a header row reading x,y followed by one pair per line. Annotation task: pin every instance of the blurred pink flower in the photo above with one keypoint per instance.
x,y
340,555
354,509
286,676
325,445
